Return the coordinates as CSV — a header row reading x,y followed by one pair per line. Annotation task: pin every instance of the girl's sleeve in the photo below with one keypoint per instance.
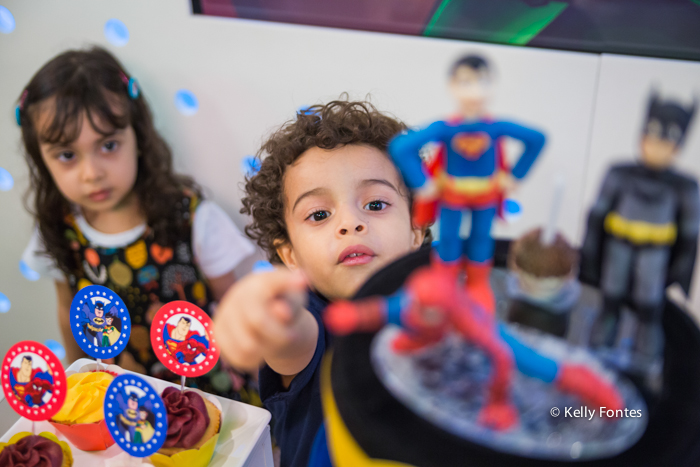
x,y
39,262
217,243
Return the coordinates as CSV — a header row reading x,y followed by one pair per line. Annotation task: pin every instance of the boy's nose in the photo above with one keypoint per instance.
x,y
359,227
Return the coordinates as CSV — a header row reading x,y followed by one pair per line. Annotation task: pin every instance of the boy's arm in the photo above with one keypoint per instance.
x,y
256,322
64,298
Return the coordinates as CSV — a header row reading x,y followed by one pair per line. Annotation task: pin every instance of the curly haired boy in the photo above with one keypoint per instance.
x,y
330,205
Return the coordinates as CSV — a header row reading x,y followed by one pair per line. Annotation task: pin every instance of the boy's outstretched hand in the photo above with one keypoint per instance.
x,y
262,319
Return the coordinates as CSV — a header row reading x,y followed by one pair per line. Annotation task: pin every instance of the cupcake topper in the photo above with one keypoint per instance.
x,y
182,337
100,322
33,381
135,415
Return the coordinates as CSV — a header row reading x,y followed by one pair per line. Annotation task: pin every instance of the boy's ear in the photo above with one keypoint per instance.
x,y
286,253
419,234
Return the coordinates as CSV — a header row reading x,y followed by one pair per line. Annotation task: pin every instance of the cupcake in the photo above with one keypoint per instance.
x,y
28,450
193,429
81,419
542,283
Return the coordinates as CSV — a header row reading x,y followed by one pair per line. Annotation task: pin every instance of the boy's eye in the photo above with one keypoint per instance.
x,y
66,156
109,146
376,205
319,216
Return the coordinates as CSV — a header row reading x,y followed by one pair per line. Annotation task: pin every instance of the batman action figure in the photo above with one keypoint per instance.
x,y
642,233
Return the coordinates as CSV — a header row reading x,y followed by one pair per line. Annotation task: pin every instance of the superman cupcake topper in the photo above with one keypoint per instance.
x,y
100,322
135,415
182,337
33,381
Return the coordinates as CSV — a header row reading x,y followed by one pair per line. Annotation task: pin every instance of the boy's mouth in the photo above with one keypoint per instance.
x,y
356,255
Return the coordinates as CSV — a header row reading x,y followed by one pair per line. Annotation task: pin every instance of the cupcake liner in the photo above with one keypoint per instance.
x,y
88,436
189,458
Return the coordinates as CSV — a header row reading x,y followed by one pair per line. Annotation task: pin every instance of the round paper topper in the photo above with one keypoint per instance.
x,y
33,380
135,415
182,336
100,322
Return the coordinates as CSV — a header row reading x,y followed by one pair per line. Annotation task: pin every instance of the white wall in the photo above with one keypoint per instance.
x,y
251,76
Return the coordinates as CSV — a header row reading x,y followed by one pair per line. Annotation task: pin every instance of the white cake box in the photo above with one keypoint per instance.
x,y
244,439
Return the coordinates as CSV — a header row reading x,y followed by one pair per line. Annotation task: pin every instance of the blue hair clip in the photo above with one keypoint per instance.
x,y
20,107
132,86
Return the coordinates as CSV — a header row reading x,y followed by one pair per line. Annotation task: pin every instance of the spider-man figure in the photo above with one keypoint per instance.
x,y
430,303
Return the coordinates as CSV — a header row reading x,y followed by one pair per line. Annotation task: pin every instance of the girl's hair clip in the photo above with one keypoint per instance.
x,y
132,86
20,107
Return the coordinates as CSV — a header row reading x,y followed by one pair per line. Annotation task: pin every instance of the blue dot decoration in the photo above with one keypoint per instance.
x,y
511,206
56,348
7,21
126,397
28,273
250,165
263,266
512,211
6,180
93,331
5,304
306,110
116,32
186,102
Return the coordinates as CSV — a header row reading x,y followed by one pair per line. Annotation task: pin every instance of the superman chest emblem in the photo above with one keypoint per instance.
x,y
471,145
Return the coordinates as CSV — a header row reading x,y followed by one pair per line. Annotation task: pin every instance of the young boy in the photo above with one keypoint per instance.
x,y
329,204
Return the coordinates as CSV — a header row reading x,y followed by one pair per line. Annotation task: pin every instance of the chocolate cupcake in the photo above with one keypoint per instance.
x,y
193,429
43,450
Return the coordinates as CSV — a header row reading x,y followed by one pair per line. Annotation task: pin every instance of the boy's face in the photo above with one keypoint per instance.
x,y
346,217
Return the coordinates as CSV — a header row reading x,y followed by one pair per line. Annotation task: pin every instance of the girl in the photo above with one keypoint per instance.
x,y
109,210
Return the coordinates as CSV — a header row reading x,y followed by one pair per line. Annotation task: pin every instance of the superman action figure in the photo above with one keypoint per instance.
x,y
469,174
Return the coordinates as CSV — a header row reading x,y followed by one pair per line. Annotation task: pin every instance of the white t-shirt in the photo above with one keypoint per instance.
x,y
217,244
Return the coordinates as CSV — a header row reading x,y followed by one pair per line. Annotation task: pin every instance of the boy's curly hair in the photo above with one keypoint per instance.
x,y
329,126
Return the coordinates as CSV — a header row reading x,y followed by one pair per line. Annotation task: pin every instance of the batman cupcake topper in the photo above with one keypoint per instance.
x,y
100,322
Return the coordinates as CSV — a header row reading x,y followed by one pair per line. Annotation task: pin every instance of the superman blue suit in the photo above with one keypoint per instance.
x,y
466,178
32,393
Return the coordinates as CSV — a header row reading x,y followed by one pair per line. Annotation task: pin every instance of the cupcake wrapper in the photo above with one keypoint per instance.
x,y
189,458
86,436
89,436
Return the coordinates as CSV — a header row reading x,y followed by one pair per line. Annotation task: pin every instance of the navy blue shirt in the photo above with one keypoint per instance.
x,y
296,412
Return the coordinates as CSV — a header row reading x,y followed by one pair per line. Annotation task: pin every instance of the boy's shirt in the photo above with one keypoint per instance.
x,y
296,412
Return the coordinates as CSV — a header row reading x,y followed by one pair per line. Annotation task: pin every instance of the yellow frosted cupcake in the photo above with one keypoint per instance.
x,y
81,419
26,449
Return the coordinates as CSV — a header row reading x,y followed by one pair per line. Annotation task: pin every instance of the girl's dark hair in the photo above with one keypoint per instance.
x,y
329,126
92,81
